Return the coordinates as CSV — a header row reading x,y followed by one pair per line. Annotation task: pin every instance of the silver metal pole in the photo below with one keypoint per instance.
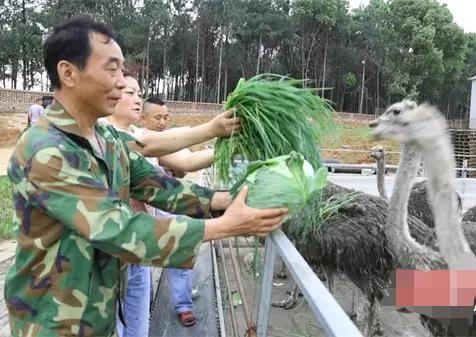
x,y
266,288
362,88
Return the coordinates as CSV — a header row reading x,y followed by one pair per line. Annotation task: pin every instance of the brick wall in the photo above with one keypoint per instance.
x,y
18,100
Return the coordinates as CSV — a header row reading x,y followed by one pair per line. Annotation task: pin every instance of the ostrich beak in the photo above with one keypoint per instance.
x,y
373,123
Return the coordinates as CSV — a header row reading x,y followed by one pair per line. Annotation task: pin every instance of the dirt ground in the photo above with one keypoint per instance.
x,y
10,126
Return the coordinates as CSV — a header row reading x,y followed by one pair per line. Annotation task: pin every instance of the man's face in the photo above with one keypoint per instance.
x,y
98,87
129,108
156,117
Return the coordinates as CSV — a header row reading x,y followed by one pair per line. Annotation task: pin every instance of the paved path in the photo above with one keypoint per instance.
x,y
368,184
164,322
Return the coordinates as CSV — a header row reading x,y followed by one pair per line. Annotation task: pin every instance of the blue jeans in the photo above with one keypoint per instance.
x,y
136,304
180,281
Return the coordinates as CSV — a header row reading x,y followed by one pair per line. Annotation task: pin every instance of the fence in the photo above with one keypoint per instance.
x,y
327,311
334,320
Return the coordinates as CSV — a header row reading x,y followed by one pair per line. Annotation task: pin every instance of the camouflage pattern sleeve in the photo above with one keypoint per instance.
x,y
82,202
178,196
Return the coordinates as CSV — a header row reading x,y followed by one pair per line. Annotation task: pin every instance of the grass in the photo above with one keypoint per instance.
x,y
6,208
356,136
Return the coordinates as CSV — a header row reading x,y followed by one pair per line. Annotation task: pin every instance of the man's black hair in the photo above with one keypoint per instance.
x,y
154,100
70,41
46,100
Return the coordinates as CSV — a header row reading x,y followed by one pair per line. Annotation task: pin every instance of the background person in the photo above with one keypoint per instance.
x,y
35,112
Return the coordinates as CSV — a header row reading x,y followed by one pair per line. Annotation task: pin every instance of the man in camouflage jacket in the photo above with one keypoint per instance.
x,y
72,179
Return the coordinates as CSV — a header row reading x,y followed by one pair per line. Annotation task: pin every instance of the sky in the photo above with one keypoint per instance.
x,y
463,11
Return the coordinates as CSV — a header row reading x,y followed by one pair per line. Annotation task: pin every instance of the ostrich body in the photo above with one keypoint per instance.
x,y
354,243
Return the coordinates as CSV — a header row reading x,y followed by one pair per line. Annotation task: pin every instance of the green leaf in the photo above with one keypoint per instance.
x,y
236,298
320,179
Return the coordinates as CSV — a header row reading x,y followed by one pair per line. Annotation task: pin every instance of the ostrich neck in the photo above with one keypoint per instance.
x,y
381,177
439,165
397,227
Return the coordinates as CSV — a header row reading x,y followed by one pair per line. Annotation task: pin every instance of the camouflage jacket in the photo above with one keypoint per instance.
x,y
75,228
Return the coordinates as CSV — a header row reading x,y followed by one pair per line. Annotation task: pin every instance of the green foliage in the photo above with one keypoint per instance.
x,y
6,207
315,215
350,80
278,117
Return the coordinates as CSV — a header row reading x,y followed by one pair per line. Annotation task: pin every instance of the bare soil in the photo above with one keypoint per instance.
x,y
11,125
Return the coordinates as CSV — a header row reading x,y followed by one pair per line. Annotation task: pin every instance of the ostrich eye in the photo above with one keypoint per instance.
x,y
396,112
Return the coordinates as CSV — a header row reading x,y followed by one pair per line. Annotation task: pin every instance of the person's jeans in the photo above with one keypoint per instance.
x,y
180,281
136,303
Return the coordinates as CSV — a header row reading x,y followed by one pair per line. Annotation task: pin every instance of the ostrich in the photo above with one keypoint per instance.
x,y
423,129
378,153
358,242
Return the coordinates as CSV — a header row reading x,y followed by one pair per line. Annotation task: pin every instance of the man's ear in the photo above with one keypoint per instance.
x,y
67,73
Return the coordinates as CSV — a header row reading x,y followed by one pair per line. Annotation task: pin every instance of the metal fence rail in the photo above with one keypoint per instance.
x,y
332,317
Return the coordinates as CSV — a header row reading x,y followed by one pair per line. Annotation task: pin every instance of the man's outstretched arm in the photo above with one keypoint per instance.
x,y
156,144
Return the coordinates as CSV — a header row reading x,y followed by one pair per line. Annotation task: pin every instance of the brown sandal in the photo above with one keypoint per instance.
x,y
187,318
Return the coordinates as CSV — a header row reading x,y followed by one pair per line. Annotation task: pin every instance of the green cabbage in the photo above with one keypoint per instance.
x,y
286,181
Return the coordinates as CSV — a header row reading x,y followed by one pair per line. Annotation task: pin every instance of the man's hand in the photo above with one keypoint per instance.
x,y
239,219
224,124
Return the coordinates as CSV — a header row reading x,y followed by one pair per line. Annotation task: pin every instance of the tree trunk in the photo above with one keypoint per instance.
x,y
23,49
219,66
196,65
32,78
258,57
142,72
164,65
225,85
147,67
14,75
203,71
325,64
302,55
377,112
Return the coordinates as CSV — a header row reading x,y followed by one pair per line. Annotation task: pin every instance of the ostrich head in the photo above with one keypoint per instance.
x,y
407,122
377,152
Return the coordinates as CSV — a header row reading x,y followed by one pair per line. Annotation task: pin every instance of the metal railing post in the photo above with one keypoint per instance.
x,y
266,288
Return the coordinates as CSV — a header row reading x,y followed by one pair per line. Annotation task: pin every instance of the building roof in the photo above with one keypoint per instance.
x,y
473,78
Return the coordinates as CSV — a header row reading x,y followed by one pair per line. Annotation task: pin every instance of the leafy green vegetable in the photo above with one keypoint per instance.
x,y
286,181
236,299
278,116
316,214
